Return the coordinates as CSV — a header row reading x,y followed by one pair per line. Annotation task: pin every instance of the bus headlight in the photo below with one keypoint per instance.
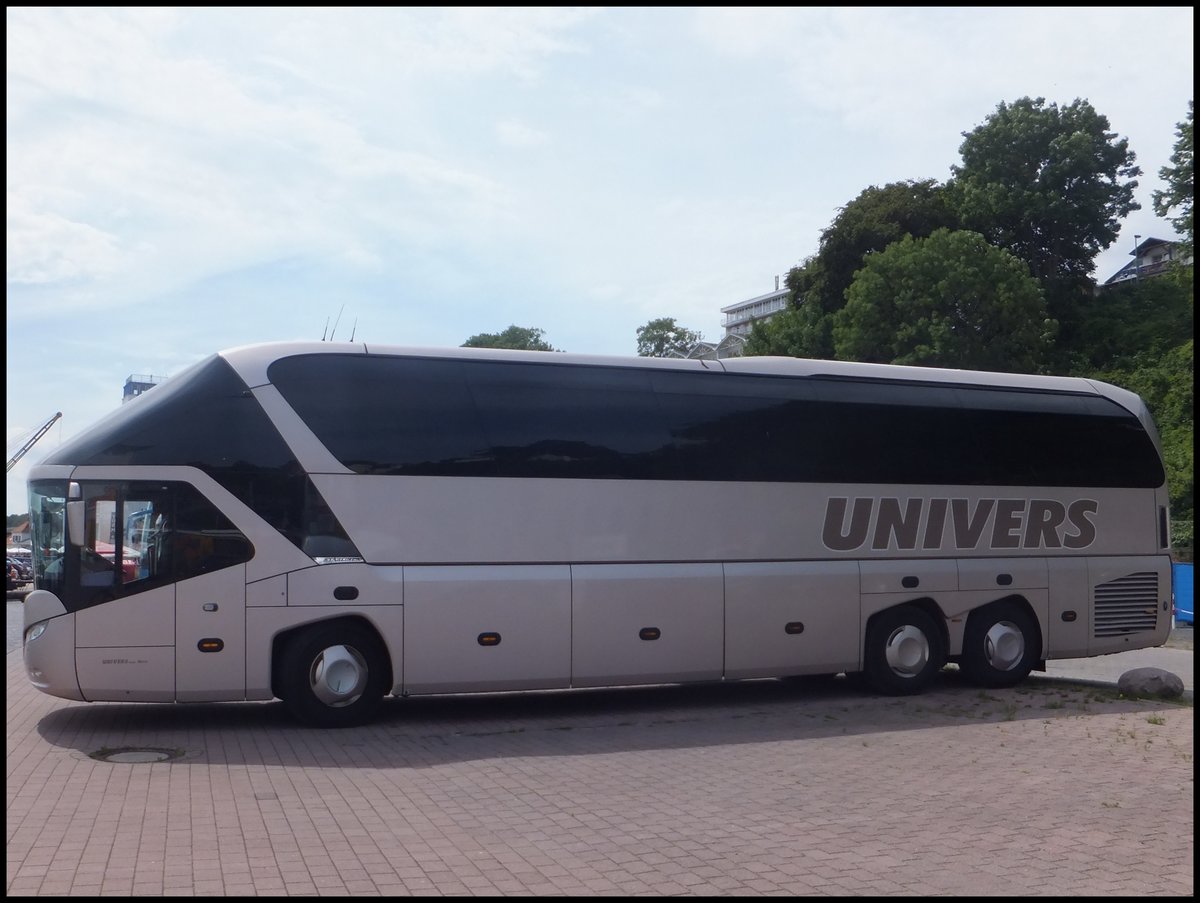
x,y
35,631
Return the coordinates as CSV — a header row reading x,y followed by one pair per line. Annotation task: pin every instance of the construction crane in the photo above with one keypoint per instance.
x,y
29,443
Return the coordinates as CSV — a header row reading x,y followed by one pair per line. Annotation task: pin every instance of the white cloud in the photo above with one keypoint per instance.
x,y
47,248
212,173
518,135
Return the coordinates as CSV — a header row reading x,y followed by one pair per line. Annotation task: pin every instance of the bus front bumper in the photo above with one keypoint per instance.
x,y
49,649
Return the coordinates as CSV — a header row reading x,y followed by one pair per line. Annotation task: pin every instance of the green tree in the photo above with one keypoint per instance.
x,y
871,222
1136,320
949,300
661,337
867,224
798,330
519,337
1181,186
1049,184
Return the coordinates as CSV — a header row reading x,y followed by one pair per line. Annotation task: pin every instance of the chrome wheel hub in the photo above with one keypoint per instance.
x,y
338,675
907,651
1004,646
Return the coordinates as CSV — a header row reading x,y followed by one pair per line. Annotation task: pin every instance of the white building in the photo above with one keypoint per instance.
x,y
740,318
1151,257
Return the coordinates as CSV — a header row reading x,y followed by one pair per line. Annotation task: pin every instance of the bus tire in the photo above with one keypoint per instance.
x,y
334,675
904,651
1001,645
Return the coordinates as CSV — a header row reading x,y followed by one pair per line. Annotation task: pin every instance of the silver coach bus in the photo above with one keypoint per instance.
x,y
329,524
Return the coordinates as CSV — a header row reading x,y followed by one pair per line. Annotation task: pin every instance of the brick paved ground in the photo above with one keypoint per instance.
x,y
1050,789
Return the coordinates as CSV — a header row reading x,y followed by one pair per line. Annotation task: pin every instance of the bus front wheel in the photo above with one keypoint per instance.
x,y
1001,645
334,675
904,651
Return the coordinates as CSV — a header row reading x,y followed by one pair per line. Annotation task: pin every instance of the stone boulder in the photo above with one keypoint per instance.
x,y
1153,683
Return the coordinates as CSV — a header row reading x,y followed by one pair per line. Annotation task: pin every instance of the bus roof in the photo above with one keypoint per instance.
x,y
252,361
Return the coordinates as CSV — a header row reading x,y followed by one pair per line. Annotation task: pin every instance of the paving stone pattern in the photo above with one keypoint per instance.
x,y
761,788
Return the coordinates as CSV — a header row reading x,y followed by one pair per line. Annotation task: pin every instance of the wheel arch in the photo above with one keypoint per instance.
x,y
281,640
926,603
1022,602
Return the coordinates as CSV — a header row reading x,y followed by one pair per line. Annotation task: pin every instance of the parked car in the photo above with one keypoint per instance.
x,y
23,563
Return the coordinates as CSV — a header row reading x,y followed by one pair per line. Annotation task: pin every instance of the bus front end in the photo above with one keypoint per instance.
x,y
49,646
48,638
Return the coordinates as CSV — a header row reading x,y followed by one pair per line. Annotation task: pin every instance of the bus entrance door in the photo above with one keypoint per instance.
x,y
210,636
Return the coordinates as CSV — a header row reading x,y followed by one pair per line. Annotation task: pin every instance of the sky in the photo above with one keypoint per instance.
x,y
184,180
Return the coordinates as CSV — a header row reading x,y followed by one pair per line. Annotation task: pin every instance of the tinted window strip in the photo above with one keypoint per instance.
x,y
560,421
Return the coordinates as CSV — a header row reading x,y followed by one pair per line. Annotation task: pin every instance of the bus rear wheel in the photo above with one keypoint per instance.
x,y
334,675
1001,645
904,651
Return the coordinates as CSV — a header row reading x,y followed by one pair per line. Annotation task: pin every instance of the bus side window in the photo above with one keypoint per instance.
x,y
158,548
95,569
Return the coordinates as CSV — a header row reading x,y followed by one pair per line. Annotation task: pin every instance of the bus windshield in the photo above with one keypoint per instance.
x,y
132,536
47,519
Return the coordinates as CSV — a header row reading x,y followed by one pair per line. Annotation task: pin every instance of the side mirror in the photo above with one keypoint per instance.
x,y
75,514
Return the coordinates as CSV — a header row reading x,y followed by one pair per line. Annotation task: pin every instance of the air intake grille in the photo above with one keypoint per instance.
x,y
1128,604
